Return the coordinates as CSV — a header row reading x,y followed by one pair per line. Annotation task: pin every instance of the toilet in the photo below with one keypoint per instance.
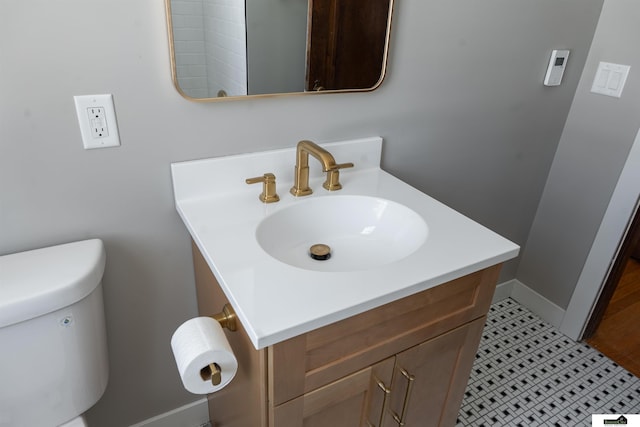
x,y
53,346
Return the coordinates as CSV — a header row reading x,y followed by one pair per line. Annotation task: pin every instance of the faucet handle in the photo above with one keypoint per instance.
x,y
340,166
268,181
333,176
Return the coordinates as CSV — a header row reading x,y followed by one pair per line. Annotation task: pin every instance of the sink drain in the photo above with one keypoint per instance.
x,y
320,252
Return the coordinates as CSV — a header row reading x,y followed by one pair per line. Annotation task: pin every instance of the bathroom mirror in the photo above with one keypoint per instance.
x,y
230,49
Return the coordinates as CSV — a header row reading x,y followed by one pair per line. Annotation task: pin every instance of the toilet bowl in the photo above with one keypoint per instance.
x,y
53,362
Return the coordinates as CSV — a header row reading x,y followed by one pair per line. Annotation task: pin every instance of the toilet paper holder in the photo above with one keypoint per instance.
x,y
227,319
212,372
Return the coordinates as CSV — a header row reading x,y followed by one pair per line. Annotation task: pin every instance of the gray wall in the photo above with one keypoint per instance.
x,y
597,137
463,112
487,128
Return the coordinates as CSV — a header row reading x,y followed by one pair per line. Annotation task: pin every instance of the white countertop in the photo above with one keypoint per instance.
x,y
275,301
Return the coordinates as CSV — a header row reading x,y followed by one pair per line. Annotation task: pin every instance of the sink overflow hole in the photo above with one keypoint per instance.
x,y
320,252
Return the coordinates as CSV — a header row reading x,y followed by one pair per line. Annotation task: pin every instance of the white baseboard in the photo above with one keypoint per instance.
x,y
503,291
194,414
535,302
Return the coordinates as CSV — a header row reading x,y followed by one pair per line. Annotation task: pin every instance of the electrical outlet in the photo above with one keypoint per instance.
x,y
97,120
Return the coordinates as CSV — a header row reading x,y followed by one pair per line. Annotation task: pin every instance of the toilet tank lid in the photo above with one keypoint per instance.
x,y
37,282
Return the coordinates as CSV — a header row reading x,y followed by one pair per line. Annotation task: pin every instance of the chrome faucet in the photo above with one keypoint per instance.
x,y
301,173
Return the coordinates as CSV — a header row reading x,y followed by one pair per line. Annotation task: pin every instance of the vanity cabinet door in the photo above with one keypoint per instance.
x,y
429,379
357,400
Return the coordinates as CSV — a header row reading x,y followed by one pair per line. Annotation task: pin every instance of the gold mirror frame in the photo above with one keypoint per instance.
x,y
222,96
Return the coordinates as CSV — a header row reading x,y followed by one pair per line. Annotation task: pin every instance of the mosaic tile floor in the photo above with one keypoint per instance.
x,y
529,374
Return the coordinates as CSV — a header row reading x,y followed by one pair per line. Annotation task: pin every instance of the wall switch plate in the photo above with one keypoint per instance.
x,y
610,79
97,120
555,69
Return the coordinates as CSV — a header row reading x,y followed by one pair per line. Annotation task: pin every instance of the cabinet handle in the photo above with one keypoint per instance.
x,y
400,419
386,390
383,387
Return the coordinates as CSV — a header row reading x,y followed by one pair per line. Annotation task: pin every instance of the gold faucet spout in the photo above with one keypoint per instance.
x,y
308,147
301,173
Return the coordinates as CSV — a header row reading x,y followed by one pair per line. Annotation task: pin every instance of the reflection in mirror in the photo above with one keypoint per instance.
x,y
257,47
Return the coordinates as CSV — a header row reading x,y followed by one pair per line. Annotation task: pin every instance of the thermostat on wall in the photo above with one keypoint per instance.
x,y
555,70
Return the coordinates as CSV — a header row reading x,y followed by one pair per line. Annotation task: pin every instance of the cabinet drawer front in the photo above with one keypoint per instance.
x,y
319,357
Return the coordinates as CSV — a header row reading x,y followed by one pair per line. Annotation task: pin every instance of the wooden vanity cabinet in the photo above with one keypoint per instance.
x,y
404,363
421,386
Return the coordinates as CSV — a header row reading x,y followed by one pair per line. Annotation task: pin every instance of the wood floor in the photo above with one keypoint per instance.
x,y
618,335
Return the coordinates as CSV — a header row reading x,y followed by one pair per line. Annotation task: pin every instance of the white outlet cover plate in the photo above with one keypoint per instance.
x,y
83,104
610,79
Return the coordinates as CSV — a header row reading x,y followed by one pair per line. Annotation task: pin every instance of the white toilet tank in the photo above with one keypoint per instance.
x,y
53,347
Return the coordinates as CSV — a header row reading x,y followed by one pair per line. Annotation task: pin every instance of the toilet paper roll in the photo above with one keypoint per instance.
x,y
197,343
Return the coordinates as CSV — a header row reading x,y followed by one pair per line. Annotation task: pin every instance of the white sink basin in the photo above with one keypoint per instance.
x,y
362,232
